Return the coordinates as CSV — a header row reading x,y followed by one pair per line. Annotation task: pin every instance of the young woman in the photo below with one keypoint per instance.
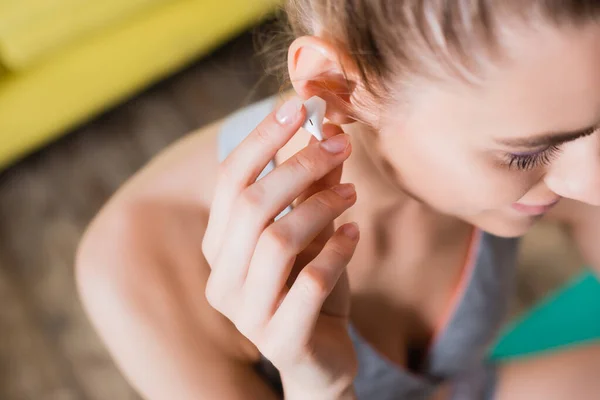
x,y
458,124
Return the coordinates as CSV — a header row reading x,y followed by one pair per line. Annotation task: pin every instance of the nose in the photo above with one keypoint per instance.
x,y
576,173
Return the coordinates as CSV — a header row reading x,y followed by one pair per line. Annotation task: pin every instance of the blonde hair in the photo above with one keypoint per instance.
x,y
396,40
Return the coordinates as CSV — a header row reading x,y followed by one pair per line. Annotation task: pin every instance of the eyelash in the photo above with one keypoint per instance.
x,y
527,162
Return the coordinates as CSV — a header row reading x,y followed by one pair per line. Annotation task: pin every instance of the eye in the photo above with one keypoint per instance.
x,y
530,161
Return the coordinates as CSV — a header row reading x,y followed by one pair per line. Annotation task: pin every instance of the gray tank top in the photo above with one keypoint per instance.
x,y
458,352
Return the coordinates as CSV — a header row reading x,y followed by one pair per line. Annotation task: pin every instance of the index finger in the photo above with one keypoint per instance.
x,y
245,163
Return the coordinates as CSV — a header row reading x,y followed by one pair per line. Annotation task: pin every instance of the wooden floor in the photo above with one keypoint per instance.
x,y
48,350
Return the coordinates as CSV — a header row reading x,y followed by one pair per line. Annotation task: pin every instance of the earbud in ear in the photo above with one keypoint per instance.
x,y
315,114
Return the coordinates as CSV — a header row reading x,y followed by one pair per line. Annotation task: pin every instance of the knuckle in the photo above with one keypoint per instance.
x,y
214,296
220,294
325,202
305,163
251,199
224,171
275,352
207,250
312,284
248,325
338,251
277,239
263,135
269,351
245,328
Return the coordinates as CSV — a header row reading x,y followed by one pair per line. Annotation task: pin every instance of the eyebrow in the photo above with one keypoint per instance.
x,y
549,139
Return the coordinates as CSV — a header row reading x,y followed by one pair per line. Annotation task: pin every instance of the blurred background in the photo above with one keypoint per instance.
x,y
89,92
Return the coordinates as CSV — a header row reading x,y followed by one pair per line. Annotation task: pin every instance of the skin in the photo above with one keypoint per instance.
x,y
141,272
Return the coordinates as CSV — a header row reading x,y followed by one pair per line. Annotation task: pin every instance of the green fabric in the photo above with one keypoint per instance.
x,y
570,317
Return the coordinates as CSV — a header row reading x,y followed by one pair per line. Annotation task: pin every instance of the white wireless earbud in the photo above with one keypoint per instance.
x,y
315,114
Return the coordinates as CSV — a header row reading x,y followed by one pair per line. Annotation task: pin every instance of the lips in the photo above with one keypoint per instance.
x,y
533,210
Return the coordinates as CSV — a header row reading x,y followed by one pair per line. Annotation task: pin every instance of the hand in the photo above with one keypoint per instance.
x,y
283,284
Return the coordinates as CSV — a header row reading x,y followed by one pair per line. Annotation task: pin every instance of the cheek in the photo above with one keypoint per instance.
x,y
454,180
493,188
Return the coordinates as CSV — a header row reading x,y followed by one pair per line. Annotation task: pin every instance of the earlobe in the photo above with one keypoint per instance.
x,y
317,68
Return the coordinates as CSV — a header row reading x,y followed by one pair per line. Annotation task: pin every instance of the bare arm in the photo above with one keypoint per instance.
x,y
142,276
562,375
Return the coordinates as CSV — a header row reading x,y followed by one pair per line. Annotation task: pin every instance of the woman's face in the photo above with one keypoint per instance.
x,y
499,154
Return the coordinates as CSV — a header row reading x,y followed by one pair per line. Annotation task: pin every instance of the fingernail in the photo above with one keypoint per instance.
x,y
346,190
351,230
336,144
289,111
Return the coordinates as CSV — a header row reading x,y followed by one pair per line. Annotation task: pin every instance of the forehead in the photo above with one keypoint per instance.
x,y
548,80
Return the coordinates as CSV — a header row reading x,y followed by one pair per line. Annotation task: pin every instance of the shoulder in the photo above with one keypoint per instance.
x,y
182,172
185,170
141,254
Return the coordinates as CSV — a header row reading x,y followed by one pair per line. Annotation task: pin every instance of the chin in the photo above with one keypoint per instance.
x,y
503,226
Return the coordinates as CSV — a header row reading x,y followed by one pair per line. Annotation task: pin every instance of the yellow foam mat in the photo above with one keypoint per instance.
x,y
38,105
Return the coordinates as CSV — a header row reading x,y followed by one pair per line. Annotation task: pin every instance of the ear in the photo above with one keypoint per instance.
x,y
317,68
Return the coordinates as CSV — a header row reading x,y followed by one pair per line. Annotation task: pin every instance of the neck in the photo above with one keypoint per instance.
x,y
380,190
368,165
